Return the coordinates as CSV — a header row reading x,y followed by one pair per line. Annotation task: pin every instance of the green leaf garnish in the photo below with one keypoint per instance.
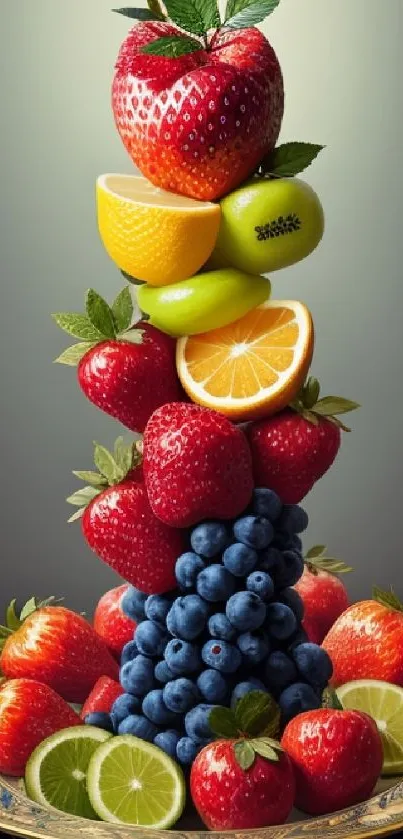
x,y
267,748
77,325
317,550
73,355
195,16
332,406
172,46
156,8
387,598
77,515
289,159
255,712
223,723
316,560
241,14
244,754
100,314
82,497
12,620
107,465
93,478
137,14
122,310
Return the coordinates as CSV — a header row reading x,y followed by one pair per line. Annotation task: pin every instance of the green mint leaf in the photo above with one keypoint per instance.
x,y
241,14
317,550
107,465
195,16
254,712
289,159
137,14
100,314
171,46
244,754
156,8
264,749
73,355
93,478
79,326
133,336
331,406
387,598
122,310
82,497
76,516
29,609
331,700
12,620
332,565
223,724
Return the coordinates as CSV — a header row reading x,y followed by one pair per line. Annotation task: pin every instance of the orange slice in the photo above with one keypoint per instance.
x,y
253,368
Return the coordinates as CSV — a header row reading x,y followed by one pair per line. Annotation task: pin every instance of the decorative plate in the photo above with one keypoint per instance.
x,y
380,816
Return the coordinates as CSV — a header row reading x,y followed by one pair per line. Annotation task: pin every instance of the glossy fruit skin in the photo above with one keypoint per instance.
x,y
102,697
199,124
206,301
110,623
197,466
229,798
59,648
336,756
366,642
129,381
325,598
29,712
267,225
290,454
121,528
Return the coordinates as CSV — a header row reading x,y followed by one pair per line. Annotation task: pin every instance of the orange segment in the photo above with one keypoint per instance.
x,y
252,368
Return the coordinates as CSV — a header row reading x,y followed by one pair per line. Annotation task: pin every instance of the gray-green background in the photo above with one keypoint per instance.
x,y
343,65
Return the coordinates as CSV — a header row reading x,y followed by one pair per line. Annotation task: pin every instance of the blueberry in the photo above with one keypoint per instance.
x,y
187,567
313,664
281,621
292,599
182,657
220,627
138,726
222,656
187,617
151,638
239,559
254,531
270,559
187,751
155,710
215,583
137,676
181,695
162,672
266,503
129,652
212,686
290,569
168,741
209,539
123,707
293,519
254,647
260,583
100,720
279,672
296,699
246,611
157,607
132,604
197,725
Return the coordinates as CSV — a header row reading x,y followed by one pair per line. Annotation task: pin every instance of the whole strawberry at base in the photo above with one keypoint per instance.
x,y
323,594
197,465
125,371
293,449
119,525
336,756
110,622
366,642
238,783
53,645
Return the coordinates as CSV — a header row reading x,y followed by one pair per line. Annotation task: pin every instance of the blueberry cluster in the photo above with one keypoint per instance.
x,y
234,626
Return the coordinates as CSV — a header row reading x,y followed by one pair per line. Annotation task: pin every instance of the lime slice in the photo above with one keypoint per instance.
x,y
56,772
384,703
130,781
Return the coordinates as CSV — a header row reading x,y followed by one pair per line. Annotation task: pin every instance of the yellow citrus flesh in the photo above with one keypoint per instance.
x,y
154,236
253,368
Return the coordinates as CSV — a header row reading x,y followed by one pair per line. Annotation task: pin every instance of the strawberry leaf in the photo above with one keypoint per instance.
x,y
244,754
289,159
317,550
195,16
387,598
310,393
332,565
107,465
331,700
156,8
30,607
82,497
266,748
133,336
223,723
79,326
122,310
73,355
12,620
93,478
254,712
100,314
77,515
331,406
172,46
137,14
241,14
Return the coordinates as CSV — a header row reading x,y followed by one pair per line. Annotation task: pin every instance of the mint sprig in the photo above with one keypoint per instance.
x,y
172,46
240,14
288,160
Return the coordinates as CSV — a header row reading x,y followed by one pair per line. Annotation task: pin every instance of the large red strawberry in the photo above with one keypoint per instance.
x,y
102,697
110,623
56,646
366,642
197,465
324,595
197,114
292,450
126,372
337,758
120,526
29,712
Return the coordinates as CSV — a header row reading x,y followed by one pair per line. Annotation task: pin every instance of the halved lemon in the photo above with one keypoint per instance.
x,y
252,368
154,236
384,703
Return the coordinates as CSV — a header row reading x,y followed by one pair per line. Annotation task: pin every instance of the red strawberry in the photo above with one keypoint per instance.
x,y
120,526
110,623
366,642
324,596
58,647
29,712
198,124
126,372
197,465
292,450
337,758
102,697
